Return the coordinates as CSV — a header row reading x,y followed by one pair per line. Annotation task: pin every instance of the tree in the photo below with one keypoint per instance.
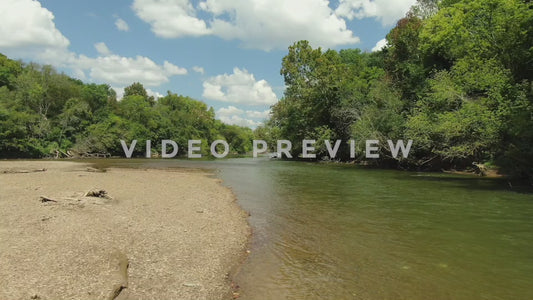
x,y
484,29
315,83
403,60
9,70
135,89
43,112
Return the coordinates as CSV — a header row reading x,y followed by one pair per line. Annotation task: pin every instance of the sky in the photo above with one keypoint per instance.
x,y
226,53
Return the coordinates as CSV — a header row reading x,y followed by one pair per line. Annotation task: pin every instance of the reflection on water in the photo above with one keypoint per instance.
x,y
339,232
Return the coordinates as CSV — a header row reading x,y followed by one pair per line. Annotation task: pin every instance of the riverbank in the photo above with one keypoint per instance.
x,y
477,170
154,234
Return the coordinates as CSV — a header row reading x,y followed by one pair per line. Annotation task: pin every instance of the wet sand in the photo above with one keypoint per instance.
x,y
161,234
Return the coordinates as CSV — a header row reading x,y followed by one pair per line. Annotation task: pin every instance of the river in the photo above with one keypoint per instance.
x,y
334,231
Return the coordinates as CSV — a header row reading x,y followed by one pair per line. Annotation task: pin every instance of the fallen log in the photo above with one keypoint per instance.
x,y
47,199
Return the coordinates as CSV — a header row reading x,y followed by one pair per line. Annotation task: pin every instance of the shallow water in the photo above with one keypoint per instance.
x,y
340,232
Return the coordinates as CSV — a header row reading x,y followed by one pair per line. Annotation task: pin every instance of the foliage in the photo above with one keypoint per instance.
x,y
455,78
43,112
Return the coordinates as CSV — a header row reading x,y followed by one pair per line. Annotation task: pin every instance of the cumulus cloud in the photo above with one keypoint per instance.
x,y
122,25
155,94
198,69
119,91
25,23
119,70
386,11
237,120
102,49
79,74
229,111
258,114
254,22
239,87
380,45
170,18
28,31
236,116
232,110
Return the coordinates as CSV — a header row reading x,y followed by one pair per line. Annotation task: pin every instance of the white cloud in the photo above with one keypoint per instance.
x,y
28,31
258,114
122,25
236,120
198,69
260,24
102,49
229,111
386,11
170,18
119,70
380,45
239,87
26,24
155,94
172,69
78,73
236,116
119,91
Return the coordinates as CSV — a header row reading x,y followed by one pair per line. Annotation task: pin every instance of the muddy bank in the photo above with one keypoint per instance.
x,y
154,234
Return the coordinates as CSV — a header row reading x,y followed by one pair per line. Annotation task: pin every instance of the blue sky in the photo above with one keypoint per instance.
x,y
226,53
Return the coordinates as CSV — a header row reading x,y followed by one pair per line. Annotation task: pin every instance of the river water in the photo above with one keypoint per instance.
x,y
328,231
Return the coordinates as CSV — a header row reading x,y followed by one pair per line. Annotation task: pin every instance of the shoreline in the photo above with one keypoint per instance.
x,y
188,244
492,172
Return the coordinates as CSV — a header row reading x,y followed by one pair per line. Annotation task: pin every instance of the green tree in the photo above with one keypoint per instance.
x,y
9,70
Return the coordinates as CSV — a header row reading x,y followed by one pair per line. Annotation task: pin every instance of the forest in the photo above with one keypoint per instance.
x,y
44,113
455,77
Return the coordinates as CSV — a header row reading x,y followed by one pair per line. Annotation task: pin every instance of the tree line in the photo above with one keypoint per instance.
x,y
44,113
455,77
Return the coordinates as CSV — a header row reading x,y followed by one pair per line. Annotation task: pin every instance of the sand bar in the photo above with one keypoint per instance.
x,y
157,234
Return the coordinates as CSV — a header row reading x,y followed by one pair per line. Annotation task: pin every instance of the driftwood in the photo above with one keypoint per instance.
x,y
94,196
97,193
91,169
480,169
47,199
23,171
95,155
57,153
72,153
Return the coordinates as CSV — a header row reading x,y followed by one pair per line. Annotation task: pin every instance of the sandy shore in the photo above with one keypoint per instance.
x,y
173,234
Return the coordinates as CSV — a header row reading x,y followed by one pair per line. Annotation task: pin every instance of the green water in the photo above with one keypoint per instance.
x,y
339,232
